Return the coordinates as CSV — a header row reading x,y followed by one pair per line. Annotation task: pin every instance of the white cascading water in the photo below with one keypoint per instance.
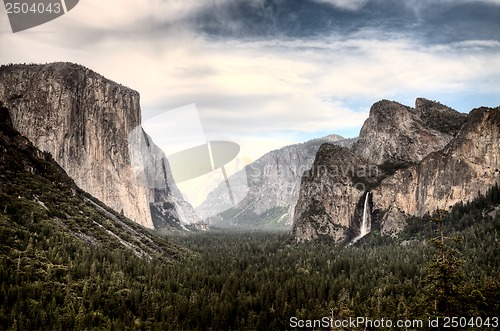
x,y
366,223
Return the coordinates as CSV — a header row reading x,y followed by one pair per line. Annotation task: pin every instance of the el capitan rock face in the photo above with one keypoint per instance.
x,y
85,121
428,157
168,208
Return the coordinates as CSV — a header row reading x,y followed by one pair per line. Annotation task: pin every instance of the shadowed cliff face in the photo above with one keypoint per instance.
x,y
151,169
85,121
329,194
38,200
425,158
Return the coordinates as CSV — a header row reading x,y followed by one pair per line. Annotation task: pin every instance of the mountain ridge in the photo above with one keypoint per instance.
x,y
412,163
465,166
273,181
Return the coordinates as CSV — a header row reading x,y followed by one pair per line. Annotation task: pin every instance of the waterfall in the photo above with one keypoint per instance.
x,y
366,223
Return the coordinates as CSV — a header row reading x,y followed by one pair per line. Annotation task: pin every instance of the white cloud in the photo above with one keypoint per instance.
x,y
345,4
117,14
261,94
494,2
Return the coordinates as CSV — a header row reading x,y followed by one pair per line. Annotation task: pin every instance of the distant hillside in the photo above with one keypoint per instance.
x,y
273,184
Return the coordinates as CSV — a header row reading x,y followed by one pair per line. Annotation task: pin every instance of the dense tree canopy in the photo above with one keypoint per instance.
x,y
251,280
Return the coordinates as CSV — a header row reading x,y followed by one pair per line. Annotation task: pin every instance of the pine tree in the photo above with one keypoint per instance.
x,y
444,278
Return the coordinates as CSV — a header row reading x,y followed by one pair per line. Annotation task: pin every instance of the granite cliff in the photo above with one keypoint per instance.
x,y
399,134
467,165
328,194
40,202
412,160
151,168
86,122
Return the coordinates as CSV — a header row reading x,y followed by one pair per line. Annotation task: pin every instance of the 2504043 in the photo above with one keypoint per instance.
x,y
33,8
473,322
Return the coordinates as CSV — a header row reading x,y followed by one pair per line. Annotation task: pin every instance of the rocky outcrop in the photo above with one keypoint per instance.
x,y
152,170
469,164
273,183
85,121
328,194
421,159
398,134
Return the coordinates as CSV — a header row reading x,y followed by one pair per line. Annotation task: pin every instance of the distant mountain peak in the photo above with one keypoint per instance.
x,y
402,134
274,181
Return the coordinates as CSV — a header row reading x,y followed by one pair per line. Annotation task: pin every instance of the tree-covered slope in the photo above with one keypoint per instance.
x,y
58,244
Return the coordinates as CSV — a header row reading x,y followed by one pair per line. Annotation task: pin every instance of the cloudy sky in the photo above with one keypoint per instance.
x,y
266,73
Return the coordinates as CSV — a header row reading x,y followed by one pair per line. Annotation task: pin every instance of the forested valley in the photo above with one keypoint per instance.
x,y
253,280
